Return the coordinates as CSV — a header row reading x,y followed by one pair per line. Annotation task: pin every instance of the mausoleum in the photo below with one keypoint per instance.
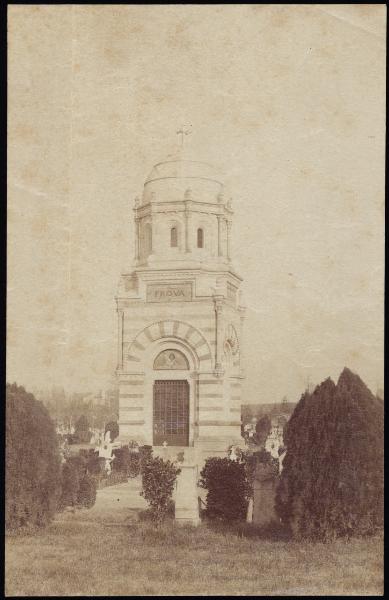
x,y
180,315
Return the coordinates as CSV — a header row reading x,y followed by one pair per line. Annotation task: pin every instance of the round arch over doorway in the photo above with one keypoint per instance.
x,y
180,332
170,367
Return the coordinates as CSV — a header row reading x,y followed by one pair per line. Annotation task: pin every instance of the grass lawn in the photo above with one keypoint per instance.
x,y
77,555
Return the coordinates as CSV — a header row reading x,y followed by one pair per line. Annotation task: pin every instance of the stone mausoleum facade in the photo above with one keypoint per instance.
x,y
180,316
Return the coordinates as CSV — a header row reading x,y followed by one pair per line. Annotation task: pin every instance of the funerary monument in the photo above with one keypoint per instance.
x,y
180,315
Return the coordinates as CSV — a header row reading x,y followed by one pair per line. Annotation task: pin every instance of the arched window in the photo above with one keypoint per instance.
x,y
173,237
227,357
200,238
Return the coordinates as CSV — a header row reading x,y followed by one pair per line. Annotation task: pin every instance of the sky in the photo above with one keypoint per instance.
x,y
287,101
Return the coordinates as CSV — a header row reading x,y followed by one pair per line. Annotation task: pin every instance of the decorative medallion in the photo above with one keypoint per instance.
x,y
171,360
232,339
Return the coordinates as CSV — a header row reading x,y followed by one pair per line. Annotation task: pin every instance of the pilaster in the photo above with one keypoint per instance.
x,y
242,315
228,223
120,339
218,300
219,235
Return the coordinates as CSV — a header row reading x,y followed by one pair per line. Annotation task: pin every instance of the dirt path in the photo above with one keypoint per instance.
x,y
114,504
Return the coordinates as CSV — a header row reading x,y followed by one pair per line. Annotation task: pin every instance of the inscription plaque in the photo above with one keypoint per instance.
x,y
169,292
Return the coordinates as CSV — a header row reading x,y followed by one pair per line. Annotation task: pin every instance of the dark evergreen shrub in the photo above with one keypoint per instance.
x,y
83,437
101,461
113,428
71,477
84,452
262,430
82,434
93,462
250,462
133,464
228,489
33,467
145,455
158,479
332,479
78,486
122,459
113,478
86,496
148,515
126,461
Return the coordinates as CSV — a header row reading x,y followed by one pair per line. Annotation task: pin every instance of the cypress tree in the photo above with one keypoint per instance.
x,y
262,430
113,428
332,479
32,461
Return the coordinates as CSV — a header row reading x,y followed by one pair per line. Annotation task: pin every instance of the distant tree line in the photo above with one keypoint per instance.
x,y
257,411
68,408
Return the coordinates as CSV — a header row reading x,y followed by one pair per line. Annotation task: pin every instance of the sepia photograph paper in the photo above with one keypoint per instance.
x,y
195,299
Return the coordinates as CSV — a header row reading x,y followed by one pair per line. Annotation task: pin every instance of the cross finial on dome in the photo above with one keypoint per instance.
x,y
182,132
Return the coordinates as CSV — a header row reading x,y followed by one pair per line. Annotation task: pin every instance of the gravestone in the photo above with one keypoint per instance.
x,y
265,480
186,494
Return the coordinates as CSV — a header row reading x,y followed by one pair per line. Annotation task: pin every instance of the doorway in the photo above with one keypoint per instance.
x,y
171,412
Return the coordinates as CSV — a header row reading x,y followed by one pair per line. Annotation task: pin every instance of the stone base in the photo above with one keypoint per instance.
x,y
186,496
172,452
202,449
199,452
208,447
187,517
124,440
264,511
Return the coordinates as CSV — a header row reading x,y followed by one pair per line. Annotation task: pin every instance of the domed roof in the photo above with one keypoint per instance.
x,y
178,168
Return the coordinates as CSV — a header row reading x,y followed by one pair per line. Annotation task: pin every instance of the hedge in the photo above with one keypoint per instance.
x,y
78,485
158,479
331,484
33,463
228,489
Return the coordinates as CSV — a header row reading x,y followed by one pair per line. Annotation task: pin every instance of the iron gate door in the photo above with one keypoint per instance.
x,y
171,412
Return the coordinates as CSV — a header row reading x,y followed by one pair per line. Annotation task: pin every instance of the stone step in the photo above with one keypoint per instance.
x,y
171,449
172,452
